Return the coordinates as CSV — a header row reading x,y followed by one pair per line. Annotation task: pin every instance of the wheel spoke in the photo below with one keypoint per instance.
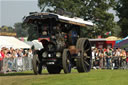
x,y
86,45
85,60
86,63
88,57
87,50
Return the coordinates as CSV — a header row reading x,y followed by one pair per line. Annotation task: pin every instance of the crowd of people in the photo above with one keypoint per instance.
x,y
12,54
101,58
109,58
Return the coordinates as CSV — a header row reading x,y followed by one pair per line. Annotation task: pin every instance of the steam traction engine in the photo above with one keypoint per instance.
x,y
63,47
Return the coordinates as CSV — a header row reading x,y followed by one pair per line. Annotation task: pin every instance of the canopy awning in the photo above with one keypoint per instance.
x,y
6,41
121,44
113,38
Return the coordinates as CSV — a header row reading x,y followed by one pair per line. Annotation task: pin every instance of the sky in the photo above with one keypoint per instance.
x,y
12,11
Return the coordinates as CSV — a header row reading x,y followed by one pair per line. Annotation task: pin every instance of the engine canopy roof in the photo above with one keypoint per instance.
x,y
59,18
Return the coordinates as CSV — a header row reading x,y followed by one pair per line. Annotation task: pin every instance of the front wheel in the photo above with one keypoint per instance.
x,y
53,69
66,61
37,65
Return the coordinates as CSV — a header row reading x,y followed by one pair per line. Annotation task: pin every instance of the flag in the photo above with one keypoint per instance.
x,y
108,33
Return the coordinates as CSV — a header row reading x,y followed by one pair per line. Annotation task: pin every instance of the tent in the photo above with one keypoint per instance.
x,y
122,39
122,44
30,43
7,41
113,38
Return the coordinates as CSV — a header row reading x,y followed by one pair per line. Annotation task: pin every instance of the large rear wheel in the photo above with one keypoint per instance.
x,y
84,58
66,61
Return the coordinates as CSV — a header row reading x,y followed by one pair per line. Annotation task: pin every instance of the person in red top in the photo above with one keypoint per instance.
x,y
1,59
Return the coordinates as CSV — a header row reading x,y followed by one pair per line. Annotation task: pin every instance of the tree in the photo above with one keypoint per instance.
x,y
11,29
117,30
4,28
94,10
122,12
19,30
31,30
7,29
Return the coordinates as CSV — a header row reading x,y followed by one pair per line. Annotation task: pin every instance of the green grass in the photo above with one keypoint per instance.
x,y
95,77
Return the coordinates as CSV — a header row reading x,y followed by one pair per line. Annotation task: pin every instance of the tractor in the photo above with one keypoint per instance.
x,y
63,47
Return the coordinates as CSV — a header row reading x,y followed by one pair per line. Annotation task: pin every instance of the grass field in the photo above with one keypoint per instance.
x,y
95,77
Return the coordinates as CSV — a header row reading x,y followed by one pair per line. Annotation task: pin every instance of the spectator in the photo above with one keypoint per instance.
x,y
123,58
108,58
101,56
93,58
115,59
1,58
30,54
105,56
97,58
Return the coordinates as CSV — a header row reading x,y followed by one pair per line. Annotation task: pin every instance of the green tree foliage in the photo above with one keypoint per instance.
x,y
7,29
117,30
20,32
4,28
94,10
11,29
31,30
122,12
26,30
